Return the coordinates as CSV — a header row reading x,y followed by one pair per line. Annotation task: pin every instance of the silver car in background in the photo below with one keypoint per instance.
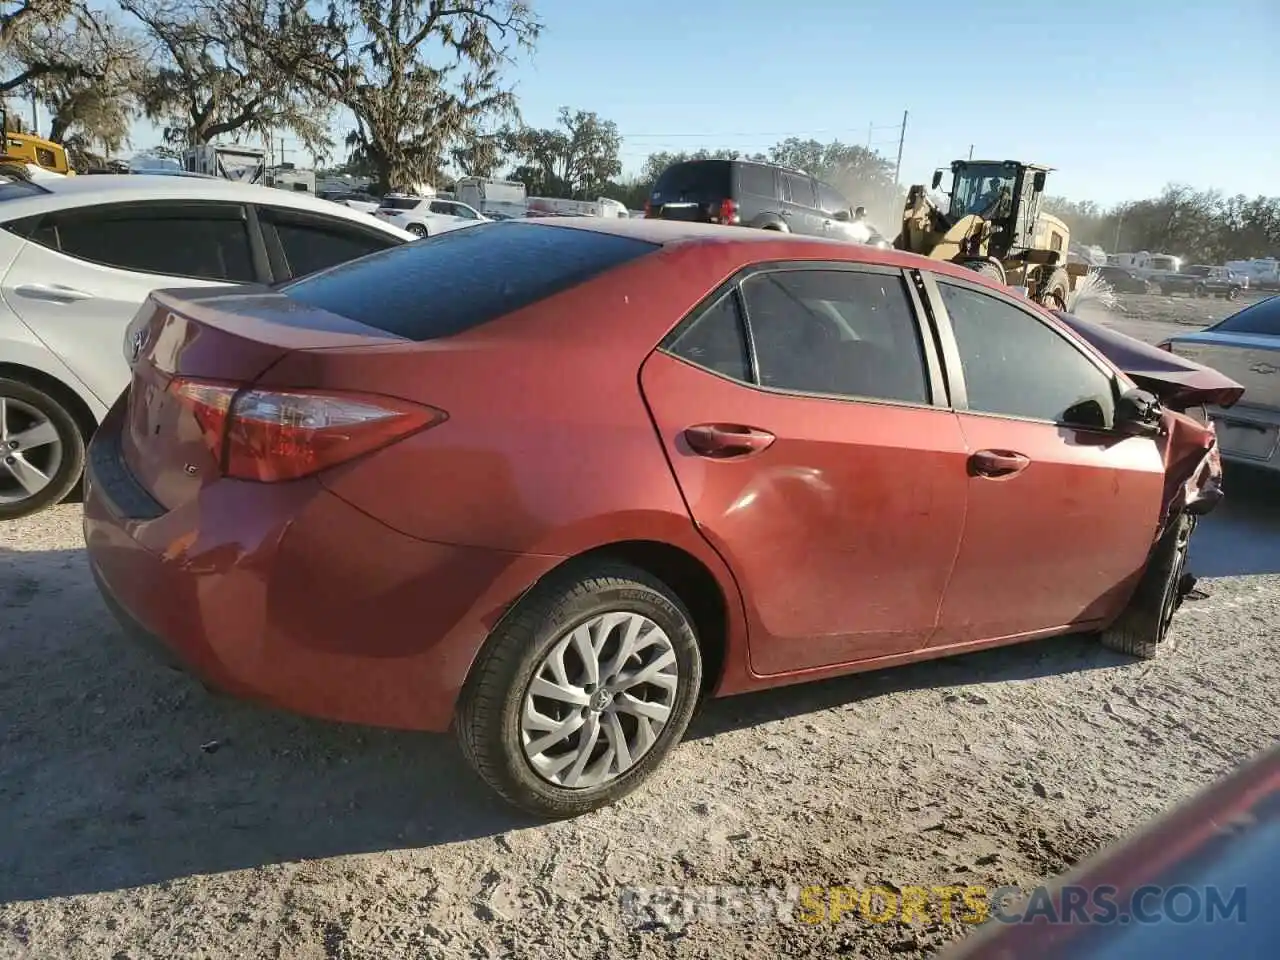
x,y
1246,347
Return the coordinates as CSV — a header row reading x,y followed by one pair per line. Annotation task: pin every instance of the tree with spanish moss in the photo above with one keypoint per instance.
x,y
422,79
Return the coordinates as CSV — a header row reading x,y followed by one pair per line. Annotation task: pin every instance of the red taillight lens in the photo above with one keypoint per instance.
x,y
728,212
648,210
1166,346
272,435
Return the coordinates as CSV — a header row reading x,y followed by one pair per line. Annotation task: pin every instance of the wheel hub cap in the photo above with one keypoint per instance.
x,y
599,700
30,450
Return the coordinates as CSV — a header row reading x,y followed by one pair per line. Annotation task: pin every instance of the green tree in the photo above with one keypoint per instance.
x,y
420,77
575,159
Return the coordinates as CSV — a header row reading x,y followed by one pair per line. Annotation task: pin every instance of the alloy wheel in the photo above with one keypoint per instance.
x,y
599,700
30,450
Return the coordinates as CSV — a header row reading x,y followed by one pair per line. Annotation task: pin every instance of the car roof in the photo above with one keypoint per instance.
x,y
64,193
678,233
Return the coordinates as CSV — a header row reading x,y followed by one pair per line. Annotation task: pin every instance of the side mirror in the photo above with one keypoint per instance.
x,y
937,179
1138,414
860,213
1038,181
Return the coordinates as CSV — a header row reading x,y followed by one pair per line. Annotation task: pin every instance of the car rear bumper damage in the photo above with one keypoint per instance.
x,y
287,595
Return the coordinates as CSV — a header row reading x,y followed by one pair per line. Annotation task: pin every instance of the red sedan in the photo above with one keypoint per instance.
x,y
548,482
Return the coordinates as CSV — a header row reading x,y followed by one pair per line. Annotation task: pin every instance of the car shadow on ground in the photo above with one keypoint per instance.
x,y
1242,536
118,772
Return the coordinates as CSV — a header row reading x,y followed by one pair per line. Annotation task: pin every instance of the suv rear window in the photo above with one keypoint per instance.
x,y
1262,317
696,180
461,279
399,203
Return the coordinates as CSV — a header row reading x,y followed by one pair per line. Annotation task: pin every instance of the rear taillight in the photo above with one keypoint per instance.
x,y
728,213
271,435
1166,346
648,210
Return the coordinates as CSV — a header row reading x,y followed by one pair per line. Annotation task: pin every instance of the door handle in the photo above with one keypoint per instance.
x,y
998,463
55,292
724,441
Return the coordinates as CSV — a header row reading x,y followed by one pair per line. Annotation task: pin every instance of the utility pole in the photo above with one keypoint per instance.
x,y
870,130
35,117
971,151
1119,224
897,170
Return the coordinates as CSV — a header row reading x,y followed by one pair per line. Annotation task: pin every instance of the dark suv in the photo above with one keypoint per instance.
x,y
757,195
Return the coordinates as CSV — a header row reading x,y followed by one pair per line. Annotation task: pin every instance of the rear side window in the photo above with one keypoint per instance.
x,y
716,340
697,180
205,241
311,244
400,203
800,190
756,180
452,282
1261,318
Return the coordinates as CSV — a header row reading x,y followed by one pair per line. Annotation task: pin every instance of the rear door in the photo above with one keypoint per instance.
x,y
84,272
820,461
1062,511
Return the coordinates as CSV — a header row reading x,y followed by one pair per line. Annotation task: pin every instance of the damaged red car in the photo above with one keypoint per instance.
x,y
548,483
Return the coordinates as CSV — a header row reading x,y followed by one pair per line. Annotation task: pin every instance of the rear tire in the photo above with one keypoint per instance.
x,y
502,723
25,409
1056,290
1143,626
1233,293
417,229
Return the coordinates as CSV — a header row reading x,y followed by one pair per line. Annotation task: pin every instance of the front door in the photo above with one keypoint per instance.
x,y
816,464
83,274
1062,510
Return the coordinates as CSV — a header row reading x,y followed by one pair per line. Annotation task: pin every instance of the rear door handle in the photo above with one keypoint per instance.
x,y
55,292
725,441
998,463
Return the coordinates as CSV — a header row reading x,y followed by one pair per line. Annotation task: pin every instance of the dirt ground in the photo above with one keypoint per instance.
x,y
141,817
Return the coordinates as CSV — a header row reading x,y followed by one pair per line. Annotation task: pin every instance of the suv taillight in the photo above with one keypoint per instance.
x,y
728,213
648,210
272,435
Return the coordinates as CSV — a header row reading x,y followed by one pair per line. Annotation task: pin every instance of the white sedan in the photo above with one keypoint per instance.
x,y
427,216
80,255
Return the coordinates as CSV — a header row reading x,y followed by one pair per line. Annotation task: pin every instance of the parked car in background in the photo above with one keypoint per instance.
x,y
610,464
1124,280
1201,280
1246,347
427,216
762,195
82,253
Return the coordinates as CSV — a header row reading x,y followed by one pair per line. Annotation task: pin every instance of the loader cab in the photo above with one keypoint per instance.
x,y
1004,193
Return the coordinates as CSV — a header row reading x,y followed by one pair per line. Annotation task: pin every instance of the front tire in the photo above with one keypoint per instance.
x,y
1143,626
41,450
417,229
581,691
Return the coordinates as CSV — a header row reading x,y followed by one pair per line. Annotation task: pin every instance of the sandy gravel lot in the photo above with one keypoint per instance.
x,y
141,817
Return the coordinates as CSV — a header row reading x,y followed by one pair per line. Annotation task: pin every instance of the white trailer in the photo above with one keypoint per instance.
x,y
242,164
500,199
559,207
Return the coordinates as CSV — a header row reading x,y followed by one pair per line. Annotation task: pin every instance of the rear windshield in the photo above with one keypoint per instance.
x,y
400,203
457,280
1263,318
696,180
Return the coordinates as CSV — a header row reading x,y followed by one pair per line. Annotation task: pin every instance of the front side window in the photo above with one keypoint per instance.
x,y
837,332
800,189
206,241
1016,365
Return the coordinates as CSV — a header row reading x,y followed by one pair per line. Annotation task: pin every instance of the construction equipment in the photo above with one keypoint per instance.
x,y
994,225
27,148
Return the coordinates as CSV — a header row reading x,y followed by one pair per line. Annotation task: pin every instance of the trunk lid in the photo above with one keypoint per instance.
x,y
215,335
1180,381
1251,359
